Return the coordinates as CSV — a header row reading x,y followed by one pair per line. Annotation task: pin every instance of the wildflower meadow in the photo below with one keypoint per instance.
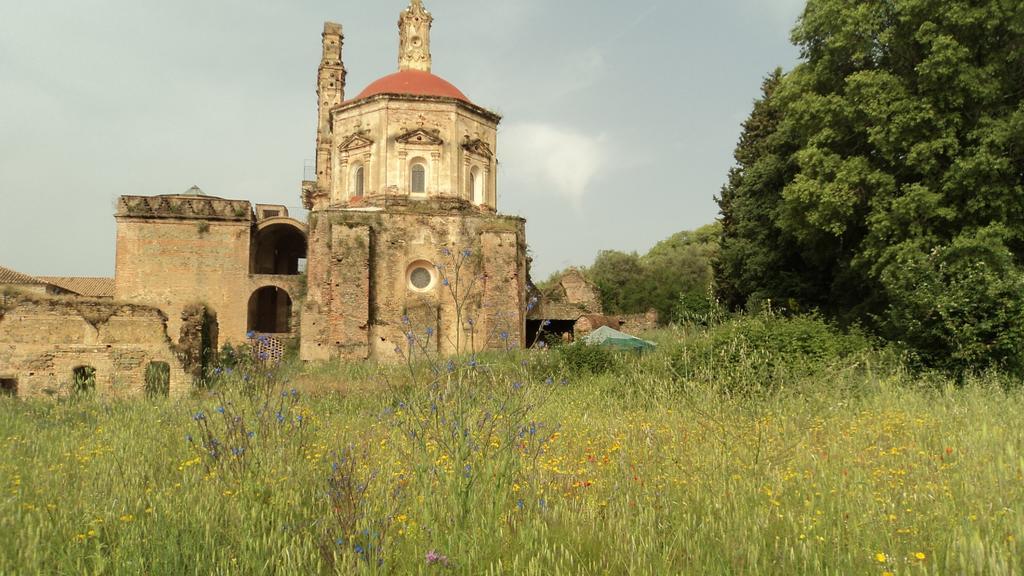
x,y
707,456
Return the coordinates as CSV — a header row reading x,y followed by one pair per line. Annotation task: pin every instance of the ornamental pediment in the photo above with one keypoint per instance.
x,y
420,136
478,147
355,142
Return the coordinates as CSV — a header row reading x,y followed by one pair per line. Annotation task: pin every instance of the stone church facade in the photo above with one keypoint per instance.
x,y
405,191
404,233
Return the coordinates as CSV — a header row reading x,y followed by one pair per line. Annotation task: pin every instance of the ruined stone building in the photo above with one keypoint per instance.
x,y
405,173
402,238
405,187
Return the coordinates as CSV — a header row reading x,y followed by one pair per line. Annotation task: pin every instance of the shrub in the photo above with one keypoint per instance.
x,y
765,352
582,357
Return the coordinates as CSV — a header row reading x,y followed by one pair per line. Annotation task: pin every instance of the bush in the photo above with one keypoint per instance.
x,y
581,357
698,308
764,352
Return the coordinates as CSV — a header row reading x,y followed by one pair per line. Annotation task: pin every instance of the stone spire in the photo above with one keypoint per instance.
x,y
330,91
414,37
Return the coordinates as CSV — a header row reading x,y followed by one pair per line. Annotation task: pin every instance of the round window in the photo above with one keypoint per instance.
x,y
421,275
420,278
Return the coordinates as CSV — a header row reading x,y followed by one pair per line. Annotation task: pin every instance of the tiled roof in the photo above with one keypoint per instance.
x,y
84,286
414,83
8,276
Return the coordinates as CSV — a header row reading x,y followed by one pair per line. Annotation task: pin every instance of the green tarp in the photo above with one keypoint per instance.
x,y
612,338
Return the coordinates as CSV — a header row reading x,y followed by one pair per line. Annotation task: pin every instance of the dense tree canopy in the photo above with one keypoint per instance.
x,y
882,180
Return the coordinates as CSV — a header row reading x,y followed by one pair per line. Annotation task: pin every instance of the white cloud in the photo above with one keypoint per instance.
x,y
552,158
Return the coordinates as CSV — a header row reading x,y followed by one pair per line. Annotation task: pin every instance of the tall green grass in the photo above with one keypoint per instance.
x,y
833,461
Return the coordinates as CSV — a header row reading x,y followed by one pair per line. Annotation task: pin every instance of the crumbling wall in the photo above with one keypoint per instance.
x,y
361,302
590,322
43,340
580,292
636,324
172,252
197,342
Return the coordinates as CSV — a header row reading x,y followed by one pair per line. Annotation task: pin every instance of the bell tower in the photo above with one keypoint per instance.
x,y
330,91
414,37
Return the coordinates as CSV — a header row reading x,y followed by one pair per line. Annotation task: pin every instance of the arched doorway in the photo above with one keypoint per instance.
x,y
279,248
270,311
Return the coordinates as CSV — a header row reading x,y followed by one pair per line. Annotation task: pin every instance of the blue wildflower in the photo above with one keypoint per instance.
x,y
220,409
405,320
446,252
520,503
280,417
250,334
199,416
517,385
466,253
238,451
444,282
430,331
294,392
359,549
188,437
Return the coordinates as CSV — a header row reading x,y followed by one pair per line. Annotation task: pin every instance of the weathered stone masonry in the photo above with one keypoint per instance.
x,y
43,341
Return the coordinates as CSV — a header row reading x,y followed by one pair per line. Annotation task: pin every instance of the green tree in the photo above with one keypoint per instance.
x,y
679,265
621,281
888,186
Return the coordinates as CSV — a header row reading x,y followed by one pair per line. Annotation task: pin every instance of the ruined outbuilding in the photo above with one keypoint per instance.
x,y
59,346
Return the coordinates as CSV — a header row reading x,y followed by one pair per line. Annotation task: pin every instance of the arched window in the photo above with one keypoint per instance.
x,y
418,179
476,185
357,182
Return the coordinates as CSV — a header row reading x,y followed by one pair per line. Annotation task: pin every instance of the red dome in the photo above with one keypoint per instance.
x,y
414,83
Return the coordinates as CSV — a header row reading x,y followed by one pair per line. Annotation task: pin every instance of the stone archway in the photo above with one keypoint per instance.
x,y
270,311
279,248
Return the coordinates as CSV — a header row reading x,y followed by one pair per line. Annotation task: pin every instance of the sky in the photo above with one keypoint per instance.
x,y
619,117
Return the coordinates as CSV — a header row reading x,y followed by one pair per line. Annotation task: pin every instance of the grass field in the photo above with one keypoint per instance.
x,y
527,464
